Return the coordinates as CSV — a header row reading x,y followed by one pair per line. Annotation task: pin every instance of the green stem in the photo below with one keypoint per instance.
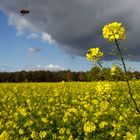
x,y
109,100
100,64
127,81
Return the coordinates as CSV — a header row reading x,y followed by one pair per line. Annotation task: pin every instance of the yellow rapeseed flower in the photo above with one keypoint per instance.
x,y
45,120
112,133
89,127
25,138
34,134
4,135
42,134
28,123
70,137
21,131
62,130
94,54
130,136
103,88
114,31
113,69
103,124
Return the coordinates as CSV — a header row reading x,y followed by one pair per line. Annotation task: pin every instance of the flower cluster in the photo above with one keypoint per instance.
x,y
114,69
114,31
94,54
105,88
89,127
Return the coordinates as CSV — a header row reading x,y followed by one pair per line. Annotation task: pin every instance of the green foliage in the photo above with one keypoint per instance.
x,y
94,74
138,136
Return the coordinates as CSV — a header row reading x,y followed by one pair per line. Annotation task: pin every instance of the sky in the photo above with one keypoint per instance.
x,y
56,34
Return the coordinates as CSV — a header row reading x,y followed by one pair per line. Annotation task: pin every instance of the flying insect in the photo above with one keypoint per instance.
x,y
24,11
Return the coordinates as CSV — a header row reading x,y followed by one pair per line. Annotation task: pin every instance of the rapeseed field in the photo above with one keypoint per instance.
x,y
69,111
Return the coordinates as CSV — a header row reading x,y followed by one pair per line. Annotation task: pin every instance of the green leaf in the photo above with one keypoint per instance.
x,y
138,137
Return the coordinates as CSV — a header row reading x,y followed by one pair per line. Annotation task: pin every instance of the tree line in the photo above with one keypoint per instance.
x,y
95,74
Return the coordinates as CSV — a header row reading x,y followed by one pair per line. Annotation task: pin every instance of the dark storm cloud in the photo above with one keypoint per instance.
x,y
76,25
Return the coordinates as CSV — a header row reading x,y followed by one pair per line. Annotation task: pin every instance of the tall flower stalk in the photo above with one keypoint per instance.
x,y
114,32
126,78
94,54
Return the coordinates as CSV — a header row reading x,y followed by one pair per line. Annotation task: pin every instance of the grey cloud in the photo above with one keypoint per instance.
x,y
76,25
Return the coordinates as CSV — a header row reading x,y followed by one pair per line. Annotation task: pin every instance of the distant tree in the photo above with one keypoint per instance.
x,y
130,75
117,74
19,77
105,74
136,74
68,75
94,74
81,76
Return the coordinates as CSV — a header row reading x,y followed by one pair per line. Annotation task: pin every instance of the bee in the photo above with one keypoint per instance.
x,y
24,11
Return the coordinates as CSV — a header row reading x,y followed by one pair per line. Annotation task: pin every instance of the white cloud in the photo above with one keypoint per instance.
x,y
20,23
50,67
33,35
34,49
38,66
47,38
23,26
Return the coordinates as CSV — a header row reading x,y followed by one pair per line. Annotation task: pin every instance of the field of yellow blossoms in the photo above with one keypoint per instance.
x,y
69,111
